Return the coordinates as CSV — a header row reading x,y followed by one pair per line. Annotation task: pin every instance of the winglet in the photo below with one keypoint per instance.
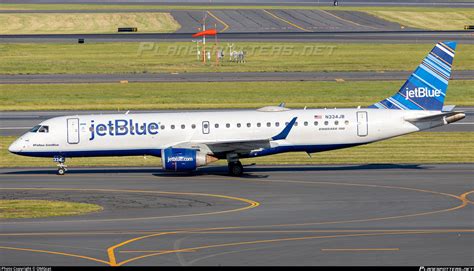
x,y
283,134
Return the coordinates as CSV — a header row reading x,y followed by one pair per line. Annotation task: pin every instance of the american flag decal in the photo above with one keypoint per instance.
x,y
318,117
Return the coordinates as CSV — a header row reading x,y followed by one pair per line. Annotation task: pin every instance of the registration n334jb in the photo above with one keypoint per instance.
x,y
188,140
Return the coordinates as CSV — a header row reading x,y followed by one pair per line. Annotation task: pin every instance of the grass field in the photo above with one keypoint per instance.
x,y
10,209
435,20
165,57
74,23
116,96
426,147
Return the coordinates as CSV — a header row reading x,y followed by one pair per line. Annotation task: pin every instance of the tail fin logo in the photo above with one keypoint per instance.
x,y
426,87
422,92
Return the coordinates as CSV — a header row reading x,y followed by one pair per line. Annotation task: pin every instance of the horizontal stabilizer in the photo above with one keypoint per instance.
x,y
448,108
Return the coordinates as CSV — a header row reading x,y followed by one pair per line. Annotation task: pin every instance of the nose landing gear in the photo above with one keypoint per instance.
x,y
62,168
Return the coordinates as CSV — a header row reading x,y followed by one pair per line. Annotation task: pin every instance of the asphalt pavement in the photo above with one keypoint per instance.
x,y
281,215
215,77
421,36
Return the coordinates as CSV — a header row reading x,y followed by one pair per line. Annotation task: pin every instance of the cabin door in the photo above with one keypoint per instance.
x,y
362,124
73,131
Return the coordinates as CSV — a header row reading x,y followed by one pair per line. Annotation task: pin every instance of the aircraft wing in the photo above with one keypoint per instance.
x,y
237,145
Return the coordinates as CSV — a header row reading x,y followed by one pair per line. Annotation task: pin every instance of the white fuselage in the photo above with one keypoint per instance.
x,y
149,133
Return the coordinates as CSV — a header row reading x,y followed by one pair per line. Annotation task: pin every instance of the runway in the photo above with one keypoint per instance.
x,y
215,77
280,215
420,36
15,123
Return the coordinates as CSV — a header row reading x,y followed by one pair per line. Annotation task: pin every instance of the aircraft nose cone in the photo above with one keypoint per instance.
x,y
15,147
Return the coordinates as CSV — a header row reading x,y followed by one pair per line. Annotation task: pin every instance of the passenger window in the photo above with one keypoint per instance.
x,y
162,127
277,124
296,123
102,128
183,126
35,129
216,125
305,123
336,122
227,125
269,124
43,129
249,125
238,125
259,124
193,126
172,126
346,122
326,123
315,123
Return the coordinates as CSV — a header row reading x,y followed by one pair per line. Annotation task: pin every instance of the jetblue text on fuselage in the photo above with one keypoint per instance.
x,y
422,92
122,127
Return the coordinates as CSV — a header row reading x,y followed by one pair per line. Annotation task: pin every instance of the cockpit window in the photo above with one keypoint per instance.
x,y
43,129
40,129
35,129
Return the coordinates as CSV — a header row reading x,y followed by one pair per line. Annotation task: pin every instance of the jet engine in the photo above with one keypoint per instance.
x,y
180,159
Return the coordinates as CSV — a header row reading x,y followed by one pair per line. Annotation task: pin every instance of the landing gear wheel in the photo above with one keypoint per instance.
x,y
236,168
62,168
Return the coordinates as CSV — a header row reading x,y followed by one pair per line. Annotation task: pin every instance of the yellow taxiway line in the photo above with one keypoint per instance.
x,y
226,26
285,21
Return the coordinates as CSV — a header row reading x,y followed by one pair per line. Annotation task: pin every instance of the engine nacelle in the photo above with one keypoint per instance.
x,y
180,159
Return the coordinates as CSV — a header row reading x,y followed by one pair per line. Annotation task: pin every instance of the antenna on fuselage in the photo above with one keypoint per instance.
x,y
128,111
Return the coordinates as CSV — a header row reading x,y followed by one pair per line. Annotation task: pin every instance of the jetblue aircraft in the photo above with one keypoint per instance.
x,y
189,140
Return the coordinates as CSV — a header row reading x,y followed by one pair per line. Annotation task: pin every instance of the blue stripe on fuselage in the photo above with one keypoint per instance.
x,y
157,152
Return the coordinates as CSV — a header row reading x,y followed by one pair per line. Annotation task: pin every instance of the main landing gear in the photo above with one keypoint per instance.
x,y
62,168
235,168
234,165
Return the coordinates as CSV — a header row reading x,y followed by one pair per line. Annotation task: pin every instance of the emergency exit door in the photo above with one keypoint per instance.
x,y
362,124
73,131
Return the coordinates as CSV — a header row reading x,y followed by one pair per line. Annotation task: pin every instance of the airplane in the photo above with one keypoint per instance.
x,y
188,140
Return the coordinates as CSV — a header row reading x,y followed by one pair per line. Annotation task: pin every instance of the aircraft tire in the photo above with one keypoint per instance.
x,y
236,168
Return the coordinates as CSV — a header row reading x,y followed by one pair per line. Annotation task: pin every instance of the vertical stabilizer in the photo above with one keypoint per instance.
x,y
426,87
